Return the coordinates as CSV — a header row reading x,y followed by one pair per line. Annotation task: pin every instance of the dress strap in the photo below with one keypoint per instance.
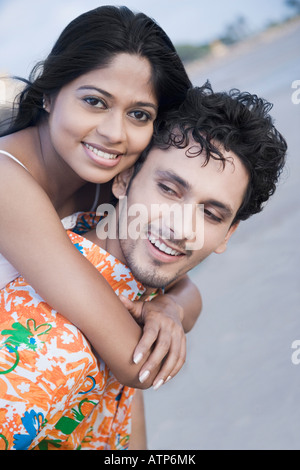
x,y
13,158
95,203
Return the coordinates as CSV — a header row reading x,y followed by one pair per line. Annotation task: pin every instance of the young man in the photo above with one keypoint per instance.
x,y
213,163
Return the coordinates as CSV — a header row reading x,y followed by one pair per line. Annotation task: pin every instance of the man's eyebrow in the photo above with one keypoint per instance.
x,y
109,95
170,175
225,208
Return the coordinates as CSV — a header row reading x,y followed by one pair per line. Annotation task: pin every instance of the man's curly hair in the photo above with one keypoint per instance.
x,y
241,123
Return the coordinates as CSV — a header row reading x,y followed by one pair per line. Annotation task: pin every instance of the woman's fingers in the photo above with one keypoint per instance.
x,y
163,337
171,366
150,334
170,351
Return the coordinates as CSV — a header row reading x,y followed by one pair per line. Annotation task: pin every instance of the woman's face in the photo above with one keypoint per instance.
x,y
100,122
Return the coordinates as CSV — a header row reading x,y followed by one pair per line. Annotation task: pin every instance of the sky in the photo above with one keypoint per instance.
x,y
29,28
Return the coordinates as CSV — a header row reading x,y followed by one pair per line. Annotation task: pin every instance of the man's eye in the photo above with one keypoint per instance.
x,y
140,116
95,102
212,216
166,189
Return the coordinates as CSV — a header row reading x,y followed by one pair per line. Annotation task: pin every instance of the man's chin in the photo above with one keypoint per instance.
x,y
150,278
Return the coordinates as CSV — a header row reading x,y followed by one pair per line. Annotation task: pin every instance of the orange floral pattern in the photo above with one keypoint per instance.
x,y
54,392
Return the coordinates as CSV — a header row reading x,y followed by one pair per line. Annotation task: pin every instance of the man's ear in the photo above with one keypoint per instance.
x,y
121,182
222,247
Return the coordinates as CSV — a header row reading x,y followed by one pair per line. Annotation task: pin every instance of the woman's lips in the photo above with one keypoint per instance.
x,y
103,158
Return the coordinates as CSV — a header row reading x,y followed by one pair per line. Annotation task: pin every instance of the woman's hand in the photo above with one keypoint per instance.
x,y
163,332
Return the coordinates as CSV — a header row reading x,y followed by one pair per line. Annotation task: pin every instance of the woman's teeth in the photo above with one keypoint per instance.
x,y
162,247
107,156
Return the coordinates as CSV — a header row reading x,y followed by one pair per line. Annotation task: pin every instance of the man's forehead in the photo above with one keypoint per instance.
x,y
193,149
178,158
194,152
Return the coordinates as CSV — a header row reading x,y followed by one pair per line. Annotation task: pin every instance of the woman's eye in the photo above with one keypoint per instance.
x,y
140,116
95,102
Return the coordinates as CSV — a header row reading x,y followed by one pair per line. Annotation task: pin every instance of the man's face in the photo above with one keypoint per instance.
x,y
163,251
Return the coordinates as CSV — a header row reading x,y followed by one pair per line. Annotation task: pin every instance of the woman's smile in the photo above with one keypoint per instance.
x,y
100,157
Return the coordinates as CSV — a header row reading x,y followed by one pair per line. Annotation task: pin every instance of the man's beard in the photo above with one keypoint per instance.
x,y
148,277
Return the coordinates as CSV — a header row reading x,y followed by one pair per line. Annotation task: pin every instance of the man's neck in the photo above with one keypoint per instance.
x,y
112,246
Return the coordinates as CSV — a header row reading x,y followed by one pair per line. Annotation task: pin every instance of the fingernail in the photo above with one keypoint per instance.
x,y
144,376
137,358
159,384
168,378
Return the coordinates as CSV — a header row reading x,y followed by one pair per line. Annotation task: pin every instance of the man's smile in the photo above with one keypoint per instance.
x,y
163,249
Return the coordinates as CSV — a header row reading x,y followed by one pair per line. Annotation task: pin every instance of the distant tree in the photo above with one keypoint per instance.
x,y
190,52
236,31
294,4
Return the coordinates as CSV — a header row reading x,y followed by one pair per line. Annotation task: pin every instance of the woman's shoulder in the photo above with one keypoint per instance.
x,y
11,157
17,148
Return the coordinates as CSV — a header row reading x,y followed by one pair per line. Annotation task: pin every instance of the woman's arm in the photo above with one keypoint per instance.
x,y
33,240
165,321
186,294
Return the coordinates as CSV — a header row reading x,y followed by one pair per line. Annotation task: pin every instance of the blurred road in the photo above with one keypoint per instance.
x,y
239,388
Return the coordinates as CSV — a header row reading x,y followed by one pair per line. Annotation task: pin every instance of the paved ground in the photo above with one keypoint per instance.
x,y
239,388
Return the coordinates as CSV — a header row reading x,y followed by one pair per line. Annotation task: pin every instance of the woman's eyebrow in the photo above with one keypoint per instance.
x,y
99,90
146,104
108,95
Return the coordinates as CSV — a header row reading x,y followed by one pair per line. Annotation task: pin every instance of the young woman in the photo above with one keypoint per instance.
x,y
85,115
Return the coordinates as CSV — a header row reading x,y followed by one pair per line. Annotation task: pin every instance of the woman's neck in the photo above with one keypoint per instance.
x,y
57,178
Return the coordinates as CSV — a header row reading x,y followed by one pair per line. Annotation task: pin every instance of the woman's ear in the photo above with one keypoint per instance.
x,y
222,247
46,104
121,182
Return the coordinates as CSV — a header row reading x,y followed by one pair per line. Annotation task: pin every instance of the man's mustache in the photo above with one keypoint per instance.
x,y
166,234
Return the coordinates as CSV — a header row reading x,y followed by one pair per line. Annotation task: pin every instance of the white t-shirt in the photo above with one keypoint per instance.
x,y
7,272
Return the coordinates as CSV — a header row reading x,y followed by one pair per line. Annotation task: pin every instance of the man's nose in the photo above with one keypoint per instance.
x,y
193,226
181,221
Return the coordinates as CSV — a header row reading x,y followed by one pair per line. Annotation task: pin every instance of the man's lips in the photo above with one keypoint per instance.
x,y
165,246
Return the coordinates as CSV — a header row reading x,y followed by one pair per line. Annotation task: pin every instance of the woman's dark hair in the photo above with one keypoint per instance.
x,y
92,41
242,124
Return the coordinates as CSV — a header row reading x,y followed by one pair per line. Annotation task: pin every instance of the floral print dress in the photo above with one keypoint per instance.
x,y
54,392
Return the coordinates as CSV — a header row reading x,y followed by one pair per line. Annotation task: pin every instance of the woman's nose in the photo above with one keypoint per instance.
x,y
112,127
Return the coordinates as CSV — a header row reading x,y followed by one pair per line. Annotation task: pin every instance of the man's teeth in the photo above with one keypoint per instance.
x,y
162,247
107,156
